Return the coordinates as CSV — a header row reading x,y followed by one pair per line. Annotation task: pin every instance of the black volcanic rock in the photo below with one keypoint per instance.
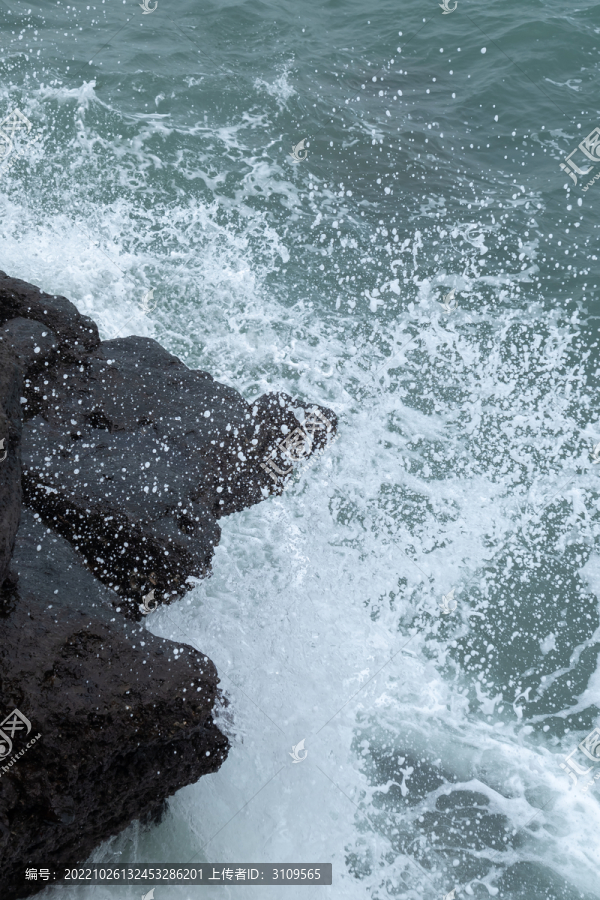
x,y
32,343
11,385
75,333
129,459
125,718
133,457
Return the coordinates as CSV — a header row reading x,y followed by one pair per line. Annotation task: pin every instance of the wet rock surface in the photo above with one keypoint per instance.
x,y
75,334
120,463
133,458
10,457
124,718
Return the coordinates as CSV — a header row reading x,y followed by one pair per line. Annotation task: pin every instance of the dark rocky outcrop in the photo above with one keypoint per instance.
x,y
127,459
125,718
74,333
133,458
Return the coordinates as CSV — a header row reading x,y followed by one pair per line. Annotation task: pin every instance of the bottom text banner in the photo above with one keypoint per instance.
x,y
176,873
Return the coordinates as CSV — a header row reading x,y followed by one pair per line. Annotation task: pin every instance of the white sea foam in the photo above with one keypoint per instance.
x,y
280,87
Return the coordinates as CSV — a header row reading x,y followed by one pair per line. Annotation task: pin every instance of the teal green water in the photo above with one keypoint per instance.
x,y
434,729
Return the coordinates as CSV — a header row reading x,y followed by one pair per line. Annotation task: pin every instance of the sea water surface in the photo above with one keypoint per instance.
x,y
421,607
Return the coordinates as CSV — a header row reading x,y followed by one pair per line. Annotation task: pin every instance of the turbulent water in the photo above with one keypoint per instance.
x,y
421,607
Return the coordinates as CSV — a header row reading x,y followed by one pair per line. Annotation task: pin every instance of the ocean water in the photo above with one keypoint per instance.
x,y
421,607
